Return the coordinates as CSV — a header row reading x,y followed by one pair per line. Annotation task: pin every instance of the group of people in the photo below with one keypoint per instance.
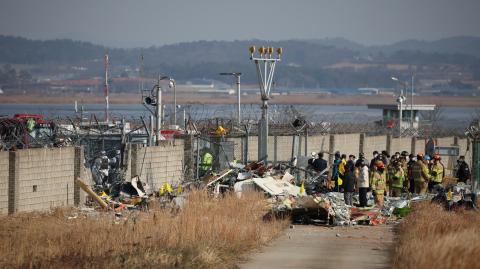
x,y
386,175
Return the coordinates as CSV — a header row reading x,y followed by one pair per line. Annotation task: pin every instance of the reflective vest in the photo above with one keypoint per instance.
x,y
397,177
341,167
437,173
30,125
379,182
420,172
207,160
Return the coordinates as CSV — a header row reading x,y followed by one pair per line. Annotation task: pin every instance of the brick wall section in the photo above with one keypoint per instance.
x,y
163,163
237,152
419,146
372,143
284,148
347,143
318,143
448,161
466,150
253,148
44,178
401,144
3,182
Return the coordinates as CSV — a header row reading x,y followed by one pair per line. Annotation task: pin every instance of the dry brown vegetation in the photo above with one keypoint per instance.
x,y
207,233
431,237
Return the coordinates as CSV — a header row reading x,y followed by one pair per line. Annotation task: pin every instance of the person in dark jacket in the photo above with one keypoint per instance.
x,y
319,164
349,183
385,157
463,171
411,183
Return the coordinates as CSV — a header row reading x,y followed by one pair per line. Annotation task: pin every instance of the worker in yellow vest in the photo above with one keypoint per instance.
x,y
396,179
421,175
390,170
437,171
379,183
341,172
206,163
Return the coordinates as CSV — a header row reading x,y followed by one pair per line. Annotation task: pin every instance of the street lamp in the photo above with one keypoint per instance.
x,y
172,84
405,86
400,100
264,56
237,76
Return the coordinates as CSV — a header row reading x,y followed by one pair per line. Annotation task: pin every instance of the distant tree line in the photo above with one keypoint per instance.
x,y
11,77
305,63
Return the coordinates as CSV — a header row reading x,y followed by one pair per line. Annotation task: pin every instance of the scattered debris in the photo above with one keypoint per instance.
x,y
92,194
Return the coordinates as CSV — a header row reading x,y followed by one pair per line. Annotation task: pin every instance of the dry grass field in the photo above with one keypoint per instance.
x,y
431,237
207,233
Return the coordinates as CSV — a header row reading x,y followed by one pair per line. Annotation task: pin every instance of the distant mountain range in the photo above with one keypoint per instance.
x,y
305,62
22,50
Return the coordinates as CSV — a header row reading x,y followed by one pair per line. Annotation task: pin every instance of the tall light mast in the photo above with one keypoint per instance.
x,y
265,64
106,88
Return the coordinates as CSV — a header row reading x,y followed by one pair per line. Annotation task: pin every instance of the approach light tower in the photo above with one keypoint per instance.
x,y
265,63
106,87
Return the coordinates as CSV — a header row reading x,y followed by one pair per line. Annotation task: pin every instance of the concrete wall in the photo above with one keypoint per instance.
x,y
159,164
318,143
419,146
448,161
465,146
3,182
347,144
400,144
44,178
253,148
372,143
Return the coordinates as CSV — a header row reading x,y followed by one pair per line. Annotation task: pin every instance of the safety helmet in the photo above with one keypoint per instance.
x,y
314,154
427,157
379,164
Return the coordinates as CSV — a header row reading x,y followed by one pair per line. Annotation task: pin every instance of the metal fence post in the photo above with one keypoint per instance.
x,y
275,145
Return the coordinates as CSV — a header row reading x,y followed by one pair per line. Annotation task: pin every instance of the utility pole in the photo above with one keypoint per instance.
x,y
237,76
266,58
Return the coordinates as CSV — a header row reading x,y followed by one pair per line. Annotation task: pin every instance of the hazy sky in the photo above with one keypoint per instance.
x,y
129,23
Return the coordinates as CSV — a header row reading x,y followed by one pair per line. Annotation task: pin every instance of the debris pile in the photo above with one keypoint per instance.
x,y
306,200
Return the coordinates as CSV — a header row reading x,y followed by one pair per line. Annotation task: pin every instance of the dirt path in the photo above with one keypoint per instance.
x,y
323,247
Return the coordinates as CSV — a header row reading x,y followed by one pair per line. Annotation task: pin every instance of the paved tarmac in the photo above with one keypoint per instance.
x,y
307,246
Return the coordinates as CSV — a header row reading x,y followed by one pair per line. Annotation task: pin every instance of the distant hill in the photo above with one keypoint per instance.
x,y
18,50
305,63
467,45
311,52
